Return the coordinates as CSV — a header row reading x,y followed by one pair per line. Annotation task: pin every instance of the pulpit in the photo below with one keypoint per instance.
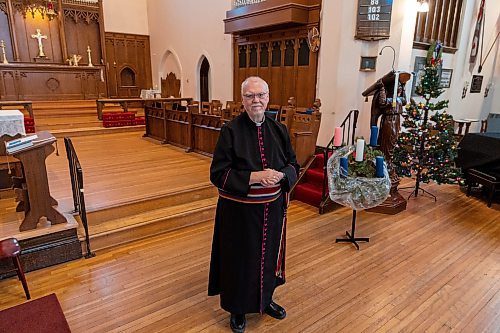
x,y
39,201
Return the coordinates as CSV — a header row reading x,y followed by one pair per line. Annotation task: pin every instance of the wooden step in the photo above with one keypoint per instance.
x,y
91,131
147,224
145,204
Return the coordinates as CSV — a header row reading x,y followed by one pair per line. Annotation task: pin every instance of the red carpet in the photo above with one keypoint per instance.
x,y
43,315
310,190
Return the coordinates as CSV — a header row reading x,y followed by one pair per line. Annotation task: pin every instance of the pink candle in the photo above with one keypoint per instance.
x,y
337,137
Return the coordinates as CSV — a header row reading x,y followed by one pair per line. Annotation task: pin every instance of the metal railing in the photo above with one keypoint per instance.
x,y
76,174
349,126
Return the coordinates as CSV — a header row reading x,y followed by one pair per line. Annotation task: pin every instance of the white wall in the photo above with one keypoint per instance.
x,y
340,83
473,106
190,29
127,16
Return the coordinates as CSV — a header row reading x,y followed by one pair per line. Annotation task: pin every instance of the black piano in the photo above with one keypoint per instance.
x,y
479,158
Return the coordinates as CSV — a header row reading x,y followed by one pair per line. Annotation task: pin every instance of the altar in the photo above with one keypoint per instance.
x,y
37,81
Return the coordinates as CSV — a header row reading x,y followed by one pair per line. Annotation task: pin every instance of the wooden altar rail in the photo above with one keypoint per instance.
x,y
27,106
140,102
187,129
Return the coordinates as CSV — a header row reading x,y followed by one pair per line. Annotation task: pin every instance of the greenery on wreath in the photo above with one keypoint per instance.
x,y
365,168
440,145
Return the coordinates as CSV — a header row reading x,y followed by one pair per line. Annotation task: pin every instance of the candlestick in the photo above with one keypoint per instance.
x,y
379,166
360,150
337,137
344,168
373,136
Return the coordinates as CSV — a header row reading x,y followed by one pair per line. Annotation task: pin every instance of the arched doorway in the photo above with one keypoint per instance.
x,y
204,72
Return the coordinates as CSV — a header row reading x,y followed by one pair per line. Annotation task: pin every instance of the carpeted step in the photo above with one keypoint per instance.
x,y
315,177
308,193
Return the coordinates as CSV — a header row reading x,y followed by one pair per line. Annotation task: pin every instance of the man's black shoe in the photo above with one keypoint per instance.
x,y
238,323
275,311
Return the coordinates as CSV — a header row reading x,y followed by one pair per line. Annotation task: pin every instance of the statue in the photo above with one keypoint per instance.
x,y
2,46
74,59
388,101
90,57
38,36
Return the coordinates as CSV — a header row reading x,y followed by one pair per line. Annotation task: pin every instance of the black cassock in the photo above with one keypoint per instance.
x,y
248,246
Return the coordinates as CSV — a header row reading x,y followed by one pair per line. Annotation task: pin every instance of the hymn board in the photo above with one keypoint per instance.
x,y
373,19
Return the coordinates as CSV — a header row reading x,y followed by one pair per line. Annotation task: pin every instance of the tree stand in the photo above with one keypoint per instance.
x,y
351,238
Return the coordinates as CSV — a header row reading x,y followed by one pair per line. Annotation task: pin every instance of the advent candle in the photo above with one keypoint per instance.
x,y
360,150
337,137
379,166
343,166
373,136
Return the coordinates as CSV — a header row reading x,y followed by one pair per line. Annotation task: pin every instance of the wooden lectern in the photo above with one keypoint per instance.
x,y
40,203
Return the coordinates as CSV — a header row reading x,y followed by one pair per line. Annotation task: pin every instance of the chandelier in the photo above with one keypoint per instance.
x,y
44,7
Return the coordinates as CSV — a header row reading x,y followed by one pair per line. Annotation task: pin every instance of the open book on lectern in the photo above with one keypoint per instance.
x,y
15,145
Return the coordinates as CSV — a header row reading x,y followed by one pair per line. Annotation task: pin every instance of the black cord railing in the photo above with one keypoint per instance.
x,y
349,126
76,175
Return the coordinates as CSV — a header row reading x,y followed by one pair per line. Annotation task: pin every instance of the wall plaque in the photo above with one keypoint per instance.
x,y
477,83
373,19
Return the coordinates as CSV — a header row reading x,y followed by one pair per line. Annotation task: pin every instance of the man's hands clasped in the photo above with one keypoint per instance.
x,y
267,177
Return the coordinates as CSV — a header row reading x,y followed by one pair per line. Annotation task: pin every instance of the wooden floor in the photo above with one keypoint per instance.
x,y
118,169
125,167
433,268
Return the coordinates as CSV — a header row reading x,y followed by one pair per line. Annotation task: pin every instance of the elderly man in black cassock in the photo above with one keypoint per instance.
x,y
254,167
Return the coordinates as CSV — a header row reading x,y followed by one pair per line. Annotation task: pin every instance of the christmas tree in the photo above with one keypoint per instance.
x,y
427,146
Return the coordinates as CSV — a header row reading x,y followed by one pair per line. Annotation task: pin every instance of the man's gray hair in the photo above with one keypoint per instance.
x,y
254,78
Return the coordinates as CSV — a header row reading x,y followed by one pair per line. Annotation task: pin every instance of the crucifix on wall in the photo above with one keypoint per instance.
x,y
38,36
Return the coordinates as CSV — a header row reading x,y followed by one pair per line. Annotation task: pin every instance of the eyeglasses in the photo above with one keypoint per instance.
x,y
251,97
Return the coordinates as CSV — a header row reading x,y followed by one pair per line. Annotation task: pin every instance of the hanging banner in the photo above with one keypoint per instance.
x,y
477,37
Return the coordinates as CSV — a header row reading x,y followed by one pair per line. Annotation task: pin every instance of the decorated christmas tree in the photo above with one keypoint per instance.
x,y
427,147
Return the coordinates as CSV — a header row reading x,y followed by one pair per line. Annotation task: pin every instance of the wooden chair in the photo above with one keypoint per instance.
x,y
490,181
484,126
460,124
216,107
9,248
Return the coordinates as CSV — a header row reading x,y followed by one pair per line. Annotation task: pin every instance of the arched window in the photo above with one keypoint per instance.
x,y
204,71
127,77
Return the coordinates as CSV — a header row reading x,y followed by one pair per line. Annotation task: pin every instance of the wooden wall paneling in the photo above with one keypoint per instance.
x,y
9,10
5,35
111,68
130,53
22,38
8,86
264,61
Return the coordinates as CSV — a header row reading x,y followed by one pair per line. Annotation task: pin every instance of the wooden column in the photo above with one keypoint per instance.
x,y
103,59
10,17
62,32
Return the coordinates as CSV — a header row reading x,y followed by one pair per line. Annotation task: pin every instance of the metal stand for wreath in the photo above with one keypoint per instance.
x,y
351,237
355,192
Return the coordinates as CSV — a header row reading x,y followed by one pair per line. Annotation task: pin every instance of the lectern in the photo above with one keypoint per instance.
x,y
40,203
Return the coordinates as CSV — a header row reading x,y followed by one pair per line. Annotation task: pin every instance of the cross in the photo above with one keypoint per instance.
x,y
38,36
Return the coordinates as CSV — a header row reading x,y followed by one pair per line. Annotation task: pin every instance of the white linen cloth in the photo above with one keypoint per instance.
x,y
11,122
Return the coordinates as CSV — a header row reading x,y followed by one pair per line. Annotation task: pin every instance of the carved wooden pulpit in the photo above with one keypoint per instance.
x,y
39,201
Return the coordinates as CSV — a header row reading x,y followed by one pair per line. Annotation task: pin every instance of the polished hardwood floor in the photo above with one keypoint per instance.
x,y
432,268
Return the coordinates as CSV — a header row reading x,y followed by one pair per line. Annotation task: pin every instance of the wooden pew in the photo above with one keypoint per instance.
x,y
196,131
